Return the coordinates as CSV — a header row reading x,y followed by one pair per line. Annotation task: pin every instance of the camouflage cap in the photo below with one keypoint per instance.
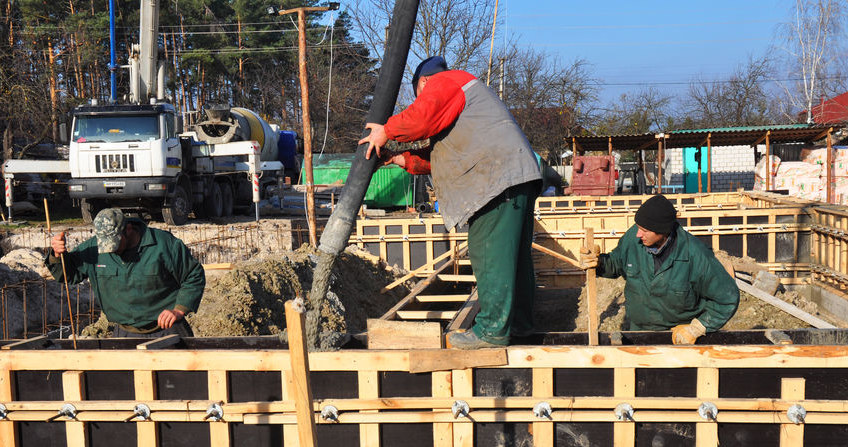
x,y
108,226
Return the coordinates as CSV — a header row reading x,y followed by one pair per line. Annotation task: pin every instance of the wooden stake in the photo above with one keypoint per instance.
x,y
592,292
300,374
65,277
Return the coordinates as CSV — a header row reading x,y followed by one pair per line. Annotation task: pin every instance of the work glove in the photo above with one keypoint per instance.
x,y
686,334
589,258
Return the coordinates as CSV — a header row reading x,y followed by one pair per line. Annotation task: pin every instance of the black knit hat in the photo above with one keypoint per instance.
x,y
428,67
657,214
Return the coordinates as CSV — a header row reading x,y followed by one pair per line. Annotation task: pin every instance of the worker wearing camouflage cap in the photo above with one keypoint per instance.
x,y
146,279
673,280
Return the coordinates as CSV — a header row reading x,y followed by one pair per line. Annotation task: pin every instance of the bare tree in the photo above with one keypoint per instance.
x,y
740,100
811,39
647,110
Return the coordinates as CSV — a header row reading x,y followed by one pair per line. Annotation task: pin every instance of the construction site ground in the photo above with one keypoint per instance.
x,y
247,299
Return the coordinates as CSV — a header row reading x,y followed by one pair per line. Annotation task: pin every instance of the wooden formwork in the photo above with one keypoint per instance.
x,y
774,233
830,247
436,398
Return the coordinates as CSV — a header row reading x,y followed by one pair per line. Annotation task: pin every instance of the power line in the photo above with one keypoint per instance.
x,y
724,81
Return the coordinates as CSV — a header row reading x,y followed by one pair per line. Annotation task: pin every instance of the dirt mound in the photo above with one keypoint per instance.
x,y
250,299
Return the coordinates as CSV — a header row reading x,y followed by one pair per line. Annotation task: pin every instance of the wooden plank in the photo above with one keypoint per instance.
x,y
792,435
706,433
160,343
300,376
556,255
442,298
8,429
219,390
218,266
441,387
145,391
426,314
447,359
543,389
423,284
369,388
29,343
463,387
784,306
289,431
463,249
457,278
465,316
73,388
390,334
624,388
592,293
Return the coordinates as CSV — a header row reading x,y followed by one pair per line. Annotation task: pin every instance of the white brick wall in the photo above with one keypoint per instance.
x,y
732,166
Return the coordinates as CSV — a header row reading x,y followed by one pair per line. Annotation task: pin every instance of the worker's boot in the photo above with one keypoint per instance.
x,y
468,340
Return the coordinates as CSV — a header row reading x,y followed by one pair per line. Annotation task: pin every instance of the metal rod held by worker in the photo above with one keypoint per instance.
x,y
65,277
592,292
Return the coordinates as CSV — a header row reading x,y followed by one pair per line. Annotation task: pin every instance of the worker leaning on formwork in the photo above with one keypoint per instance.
x,y
146,279
484,173
673,280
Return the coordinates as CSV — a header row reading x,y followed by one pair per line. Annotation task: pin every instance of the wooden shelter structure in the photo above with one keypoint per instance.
x,y
709,138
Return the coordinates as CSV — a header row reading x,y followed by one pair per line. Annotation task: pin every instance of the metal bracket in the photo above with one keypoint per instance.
x,y
796,413
624,412
460,408
330,413
542,410
708,410
214,412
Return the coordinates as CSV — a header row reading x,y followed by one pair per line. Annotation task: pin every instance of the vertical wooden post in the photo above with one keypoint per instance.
x,y
624,386
463,386
700,182
543,388
300,376
73,386
442,432
768,162
792,389
289,430
219,390
709,164
829,178
706,433
660,157
145,391
8,429
369,388
591,293
307,126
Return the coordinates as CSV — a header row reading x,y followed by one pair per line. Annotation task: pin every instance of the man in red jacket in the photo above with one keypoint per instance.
x,y
484,173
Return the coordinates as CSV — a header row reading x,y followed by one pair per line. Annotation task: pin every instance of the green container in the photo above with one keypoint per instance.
x,y
390,186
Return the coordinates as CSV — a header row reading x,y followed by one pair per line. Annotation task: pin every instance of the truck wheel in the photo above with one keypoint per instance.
x,y
177,212
214,203
89,209
227,199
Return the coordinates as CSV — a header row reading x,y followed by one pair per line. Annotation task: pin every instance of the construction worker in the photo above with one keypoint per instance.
x,y
673,280
484,173
146,279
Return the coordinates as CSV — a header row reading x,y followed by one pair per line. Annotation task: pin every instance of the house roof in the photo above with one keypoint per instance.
x,y
834,110
722,136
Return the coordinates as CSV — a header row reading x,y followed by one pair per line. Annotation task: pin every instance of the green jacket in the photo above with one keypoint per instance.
x,y
691,283
135,288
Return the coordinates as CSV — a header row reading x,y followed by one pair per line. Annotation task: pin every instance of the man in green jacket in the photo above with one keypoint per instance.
x,y
673,280
146,279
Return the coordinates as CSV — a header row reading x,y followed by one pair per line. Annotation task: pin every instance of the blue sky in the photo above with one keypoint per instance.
x,y
631,44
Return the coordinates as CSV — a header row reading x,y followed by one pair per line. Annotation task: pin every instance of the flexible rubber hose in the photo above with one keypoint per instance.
x,y
337,231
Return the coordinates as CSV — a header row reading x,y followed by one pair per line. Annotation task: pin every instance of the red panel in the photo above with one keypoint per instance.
x,y
596,178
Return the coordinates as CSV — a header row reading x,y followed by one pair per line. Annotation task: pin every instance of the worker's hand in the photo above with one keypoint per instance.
x,y
589,258
686,334
58,243
170,316
376,139
396,159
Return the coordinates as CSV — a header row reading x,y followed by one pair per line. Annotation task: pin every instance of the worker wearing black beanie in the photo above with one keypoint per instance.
x,y
657,214
673,280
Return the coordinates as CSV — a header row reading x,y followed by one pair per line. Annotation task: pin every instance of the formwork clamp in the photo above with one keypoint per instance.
x,y
330,413
3,412
543,410
141,412
68,410
796,413
214,412
460,408
708,410
624,412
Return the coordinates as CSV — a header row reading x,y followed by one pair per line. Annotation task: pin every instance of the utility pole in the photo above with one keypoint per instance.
x,y
304,102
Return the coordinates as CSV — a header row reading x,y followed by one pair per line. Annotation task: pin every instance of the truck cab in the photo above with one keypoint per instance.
x,y
123,155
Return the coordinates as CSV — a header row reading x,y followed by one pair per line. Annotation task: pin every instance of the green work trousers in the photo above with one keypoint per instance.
x,y
499,243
